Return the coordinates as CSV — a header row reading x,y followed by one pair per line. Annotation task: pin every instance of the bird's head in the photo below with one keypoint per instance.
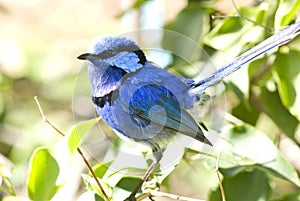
x,y
109,59
117,52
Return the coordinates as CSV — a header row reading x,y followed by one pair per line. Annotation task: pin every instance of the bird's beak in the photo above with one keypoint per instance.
x,y
83,56
88,56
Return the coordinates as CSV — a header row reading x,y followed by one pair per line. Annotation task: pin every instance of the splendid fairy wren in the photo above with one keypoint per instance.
x,y
148,104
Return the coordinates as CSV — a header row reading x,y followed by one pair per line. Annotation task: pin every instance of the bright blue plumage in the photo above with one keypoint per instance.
x,y
148,104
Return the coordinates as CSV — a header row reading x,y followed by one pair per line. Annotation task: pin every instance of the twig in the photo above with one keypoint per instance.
x,y
239,14
45,120
250,20
219,178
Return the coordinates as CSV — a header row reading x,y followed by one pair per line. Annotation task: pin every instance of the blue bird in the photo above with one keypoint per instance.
x,y
148,104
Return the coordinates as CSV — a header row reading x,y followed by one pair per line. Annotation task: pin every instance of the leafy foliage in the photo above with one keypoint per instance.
x,y
43,173
267,102
250,185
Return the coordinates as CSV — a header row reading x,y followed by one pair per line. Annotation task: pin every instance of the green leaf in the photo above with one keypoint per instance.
x,y
269,102
282,168
188,22
226,34
246,186
249,145
43,173
124,187
234,34
272,8
279,167
98,198
101,168
287,77
128,183
260,71
286,12
244,111
191,22
248,149
77,132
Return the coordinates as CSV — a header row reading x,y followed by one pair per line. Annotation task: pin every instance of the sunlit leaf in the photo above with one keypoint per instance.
x,y
43,173
225,34
248,143
272,8
286,12
236,33
101,168
250,149
287,71
282,168
77,132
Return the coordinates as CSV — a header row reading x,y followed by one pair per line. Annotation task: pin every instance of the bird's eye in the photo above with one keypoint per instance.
x,y
110,53
106,54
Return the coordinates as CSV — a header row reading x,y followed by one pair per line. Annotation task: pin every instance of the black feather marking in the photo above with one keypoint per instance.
x,y
141,56
117,69
108,98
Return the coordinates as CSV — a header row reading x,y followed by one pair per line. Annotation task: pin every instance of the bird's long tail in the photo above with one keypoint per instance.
x,y
278,39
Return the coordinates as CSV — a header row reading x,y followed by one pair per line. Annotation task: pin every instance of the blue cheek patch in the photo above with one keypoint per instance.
x,y
128,61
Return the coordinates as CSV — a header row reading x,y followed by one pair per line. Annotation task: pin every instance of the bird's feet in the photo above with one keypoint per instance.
x,y
150,185
146,188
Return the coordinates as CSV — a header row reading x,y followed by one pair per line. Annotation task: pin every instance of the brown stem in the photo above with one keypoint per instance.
x,y
219,178
45,120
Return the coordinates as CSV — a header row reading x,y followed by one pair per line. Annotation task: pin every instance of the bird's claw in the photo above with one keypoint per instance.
x,y
150,185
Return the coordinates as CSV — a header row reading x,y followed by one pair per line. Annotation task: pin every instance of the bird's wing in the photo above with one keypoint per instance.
x,y
151,74
159,101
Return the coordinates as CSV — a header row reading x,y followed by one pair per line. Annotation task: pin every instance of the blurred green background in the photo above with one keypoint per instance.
x,y
39,43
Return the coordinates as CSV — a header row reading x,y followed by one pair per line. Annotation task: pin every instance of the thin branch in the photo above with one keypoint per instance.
x,y
45,120
240,15
219,178
250,20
